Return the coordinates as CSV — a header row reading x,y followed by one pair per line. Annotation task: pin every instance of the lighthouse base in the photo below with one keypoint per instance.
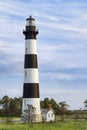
x,y
38,118
31,110
35,118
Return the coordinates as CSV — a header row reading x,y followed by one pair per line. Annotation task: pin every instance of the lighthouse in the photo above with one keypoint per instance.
x,y
31,82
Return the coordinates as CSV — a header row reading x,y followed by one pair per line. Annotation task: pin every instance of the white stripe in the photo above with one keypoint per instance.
x,y
35,102
31,75
30,46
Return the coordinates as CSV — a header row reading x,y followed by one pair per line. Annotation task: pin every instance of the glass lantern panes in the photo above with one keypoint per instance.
x,y
30,23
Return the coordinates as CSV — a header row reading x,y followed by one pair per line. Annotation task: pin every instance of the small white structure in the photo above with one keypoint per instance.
x,y
48,115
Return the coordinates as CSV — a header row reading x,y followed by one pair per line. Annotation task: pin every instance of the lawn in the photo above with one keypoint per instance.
x,y
68,125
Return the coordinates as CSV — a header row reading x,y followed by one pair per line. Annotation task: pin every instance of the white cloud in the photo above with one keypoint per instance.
x,y
68,95
12,7
57,76
67,56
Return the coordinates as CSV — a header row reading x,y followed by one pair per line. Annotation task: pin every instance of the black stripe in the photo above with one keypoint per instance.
x,y
31,28
31,90
30,32
30,61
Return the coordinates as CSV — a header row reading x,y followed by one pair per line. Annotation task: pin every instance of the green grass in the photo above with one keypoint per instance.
x,y
68,125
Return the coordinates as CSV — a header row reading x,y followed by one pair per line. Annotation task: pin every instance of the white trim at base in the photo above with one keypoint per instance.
x,y
35,102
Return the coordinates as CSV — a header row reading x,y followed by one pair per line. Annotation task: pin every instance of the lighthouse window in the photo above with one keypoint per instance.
x,y
25,74
49,115
24,102
26,50
52,115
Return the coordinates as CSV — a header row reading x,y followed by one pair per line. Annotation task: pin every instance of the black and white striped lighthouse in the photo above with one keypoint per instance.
x,y
31,81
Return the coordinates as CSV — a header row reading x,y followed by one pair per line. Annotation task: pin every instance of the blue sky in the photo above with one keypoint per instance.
x,y
62,48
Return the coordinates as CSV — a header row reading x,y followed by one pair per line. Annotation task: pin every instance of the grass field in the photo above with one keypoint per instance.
x,y
68,125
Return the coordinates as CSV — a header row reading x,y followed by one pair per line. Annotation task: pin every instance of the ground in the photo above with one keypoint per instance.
x,y
66,125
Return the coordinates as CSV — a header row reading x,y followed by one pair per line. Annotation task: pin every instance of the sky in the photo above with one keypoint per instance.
x,y
61,45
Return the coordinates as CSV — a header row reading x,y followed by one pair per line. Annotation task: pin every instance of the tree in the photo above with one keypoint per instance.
x,y
10,106
42,104
54,105
16,106
46,102
5,102
29,114
50,103
63,107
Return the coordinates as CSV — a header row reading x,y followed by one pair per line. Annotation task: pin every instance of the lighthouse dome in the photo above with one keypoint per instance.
x,y
30,21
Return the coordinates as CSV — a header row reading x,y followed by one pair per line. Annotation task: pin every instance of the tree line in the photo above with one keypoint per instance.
x,y
13,106
10,106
